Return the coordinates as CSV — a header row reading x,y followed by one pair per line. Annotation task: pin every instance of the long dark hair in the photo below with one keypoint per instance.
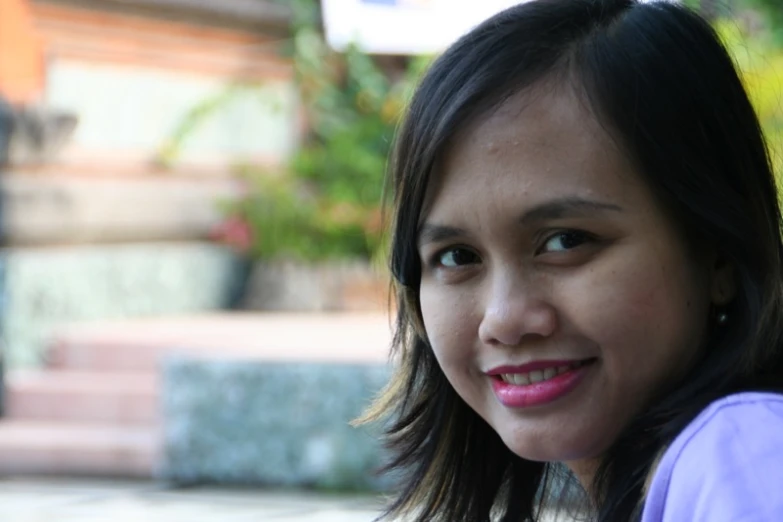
x,y
663,86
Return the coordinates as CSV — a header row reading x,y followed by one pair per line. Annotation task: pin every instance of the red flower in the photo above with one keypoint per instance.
x,y
234,232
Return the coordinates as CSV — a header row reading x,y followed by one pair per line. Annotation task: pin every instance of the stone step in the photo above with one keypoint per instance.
x,y
48,288
263,422
90,411
140,346
56,209
77,449
123,399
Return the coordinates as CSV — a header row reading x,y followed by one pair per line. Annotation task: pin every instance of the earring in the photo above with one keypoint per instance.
x,y
723,318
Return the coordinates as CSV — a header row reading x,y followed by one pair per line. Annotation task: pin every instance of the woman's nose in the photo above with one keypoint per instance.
x,y
512,313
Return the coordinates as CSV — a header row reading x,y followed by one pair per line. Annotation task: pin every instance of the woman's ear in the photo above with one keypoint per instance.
x,y
724,281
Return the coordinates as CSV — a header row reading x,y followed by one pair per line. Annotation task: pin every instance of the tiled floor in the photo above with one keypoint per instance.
x,y
37,500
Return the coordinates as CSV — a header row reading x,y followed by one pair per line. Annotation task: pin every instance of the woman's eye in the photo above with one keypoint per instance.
x,y
567,240
456,257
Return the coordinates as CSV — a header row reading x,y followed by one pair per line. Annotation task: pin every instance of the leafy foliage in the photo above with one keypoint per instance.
x,y
773,11
760,60
328,204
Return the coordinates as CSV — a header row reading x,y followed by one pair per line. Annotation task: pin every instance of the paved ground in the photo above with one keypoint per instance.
x,y
37,500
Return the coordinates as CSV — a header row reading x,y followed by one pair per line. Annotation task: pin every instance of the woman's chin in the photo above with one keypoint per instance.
x,y
555,448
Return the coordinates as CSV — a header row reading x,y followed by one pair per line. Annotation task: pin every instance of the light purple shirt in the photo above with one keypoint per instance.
x,y
726,466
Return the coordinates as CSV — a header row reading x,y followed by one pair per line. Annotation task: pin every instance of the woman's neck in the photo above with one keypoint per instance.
x,y
584,470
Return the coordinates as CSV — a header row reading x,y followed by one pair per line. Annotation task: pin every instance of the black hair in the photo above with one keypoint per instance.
x,y
659,80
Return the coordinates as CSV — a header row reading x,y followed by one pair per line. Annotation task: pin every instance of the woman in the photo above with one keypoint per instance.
x,y
587,253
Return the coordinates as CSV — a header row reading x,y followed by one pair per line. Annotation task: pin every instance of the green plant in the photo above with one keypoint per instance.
x,y
760,61
286,222
329,202
773,13
170,150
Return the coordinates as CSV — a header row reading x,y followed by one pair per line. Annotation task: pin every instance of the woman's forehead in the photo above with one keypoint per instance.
x,y
529,102
542,138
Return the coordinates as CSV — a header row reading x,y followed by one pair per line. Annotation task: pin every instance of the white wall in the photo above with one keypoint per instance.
x,y
132,110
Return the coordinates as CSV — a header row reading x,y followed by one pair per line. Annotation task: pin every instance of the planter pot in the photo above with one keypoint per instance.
x,y
311,287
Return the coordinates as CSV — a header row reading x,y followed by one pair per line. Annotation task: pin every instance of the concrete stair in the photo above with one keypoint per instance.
x,y
94,410
123,399
80,423
74,448
63,208
139,346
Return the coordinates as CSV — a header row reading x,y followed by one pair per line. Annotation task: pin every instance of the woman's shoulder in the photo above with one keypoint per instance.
x,y
726,465
749,415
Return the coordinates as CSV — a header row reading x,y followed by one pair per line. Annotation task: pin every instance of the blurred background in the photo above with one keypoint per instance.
x,y
192,273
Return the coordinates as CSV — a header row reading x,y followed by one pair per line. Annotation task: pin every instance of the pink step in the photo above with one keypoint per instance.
x,y
94,411
138,346
121,399
58,448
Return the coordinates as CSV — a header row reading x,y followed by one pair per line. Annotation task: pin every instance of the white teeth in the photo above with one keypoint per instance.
x,y
525,379
520,379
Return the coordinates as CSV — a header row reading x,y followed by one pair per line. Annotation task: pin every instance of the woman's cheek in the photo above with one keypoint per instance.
x,y
448,321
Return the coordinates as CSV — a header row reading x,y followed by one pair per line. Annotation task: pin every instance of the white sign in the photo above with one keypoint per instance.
x,y
404,26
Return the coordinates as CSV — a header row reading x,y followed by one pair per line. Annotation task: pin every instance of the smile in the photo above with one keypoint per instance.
x,y
539,383
534,376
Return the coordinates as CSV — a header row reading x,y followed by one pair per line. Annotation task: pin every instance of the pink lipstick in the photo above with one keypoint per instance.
x,y
537,383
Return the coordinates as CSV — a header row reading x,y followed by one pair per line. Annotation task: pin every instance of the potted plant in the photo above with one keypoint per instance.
x,y
315,231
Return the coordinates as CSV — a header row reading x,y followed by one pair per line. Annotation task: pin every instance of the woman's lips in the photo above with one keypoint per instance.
x,y
537,383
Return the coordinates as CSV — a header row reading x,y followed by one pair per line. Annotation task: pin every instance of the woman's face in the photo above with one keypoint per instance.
x,y
557,295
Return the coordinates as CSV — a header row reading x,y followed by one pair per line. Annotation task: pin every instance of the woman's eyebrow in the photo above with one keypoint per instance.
x,y
565,208
555,209
431,233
